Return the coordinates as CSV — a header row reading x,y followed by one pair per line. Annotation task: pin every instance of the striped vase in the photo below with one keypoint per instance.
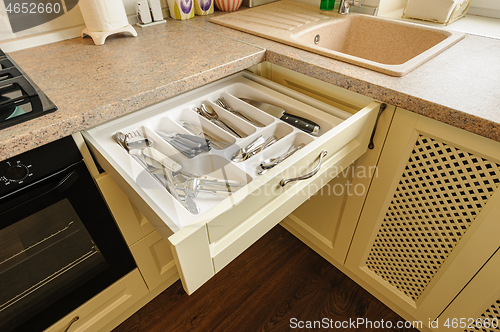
x,y
228,5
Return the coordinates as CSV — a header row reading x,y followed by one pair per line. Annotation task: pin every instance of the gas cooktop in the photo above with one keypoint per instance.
x,y
20,98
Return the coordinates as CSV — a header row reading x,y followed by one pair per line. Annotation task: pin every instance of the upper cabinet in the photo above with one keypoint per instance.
x,y
206,238
430,220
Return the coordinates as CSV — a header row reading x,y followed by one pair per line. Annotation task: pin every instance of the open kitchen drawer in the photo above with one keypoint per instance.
x,y
225,226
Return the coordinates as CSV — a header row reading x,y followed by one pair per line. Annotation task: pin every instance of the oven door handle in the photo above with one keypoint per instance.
x,y
38,189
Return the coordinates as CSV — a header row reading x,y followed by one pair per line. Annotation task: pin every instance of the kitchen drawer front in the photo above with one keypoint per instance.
x,y
96,313
205,243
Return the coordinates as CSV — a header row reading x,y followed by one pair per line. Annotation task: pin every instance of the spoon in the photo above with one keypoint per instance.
x,y
243,153
208,112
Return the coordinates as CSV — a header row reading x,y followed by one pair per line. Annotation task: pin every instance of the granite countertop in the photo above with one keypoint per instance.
x,y
92,84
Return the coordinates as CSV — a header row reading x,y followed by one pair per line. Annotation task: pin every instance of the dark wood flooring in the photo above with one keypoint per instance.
x,y
276,280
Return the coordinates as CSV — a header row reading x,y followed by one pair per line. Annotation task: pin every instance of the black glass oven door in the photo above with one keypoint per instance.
x,y
59,246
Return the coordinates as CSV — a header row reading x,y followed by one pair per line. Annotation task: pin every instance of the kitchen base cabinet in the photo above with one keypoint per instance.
x,y
430,219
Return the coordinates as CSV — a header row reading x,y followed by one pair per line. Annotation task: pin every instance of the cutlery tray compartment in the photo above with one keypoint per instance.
x,y
226,225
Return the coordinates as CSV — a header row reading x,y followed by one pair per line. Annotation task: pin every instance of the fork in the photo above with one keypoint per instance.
x,y
223,103
146,146
168,165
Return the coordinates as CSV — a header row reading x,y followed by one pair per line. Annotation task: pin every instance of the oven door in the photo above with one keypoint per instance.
x,y
59,246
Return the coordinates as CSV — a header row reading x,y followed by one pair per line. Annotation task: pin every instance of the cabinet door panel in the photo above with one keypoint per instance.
x,y
130,221
153,256
434,190
95,314
478,302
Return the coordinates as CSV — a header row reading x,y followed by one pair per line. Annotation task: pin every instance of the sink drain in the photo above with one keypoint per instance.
x,y
316,39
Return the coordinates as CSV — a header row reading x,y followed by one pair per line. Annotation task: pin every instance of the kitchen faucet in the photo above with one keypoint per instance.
x,y
345,5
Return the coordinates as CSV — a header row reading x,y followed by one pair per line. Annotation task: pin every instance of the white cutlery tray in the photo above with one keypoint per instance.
x,y
218,163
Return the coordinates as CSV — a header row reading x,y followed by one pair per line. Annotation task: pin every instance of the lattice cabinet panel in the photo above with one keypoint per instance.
x,y
490,315
439,195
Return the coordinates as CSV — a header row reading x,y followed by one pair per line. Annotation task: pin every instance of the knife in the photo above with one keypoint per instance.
x,y
306,125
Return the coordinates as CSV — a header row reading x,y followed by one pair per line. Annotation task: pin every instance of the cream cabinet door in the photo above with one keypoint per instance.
x,y
477,307
151,252
105,307
204,243
428,224
131,222
154,259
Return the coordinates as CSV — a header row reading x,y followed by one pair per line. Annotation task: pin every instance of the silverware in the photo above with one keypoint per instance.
x,y
120,138
269,141
218,143
208,112
155,163
189,145
224,104
270,163
166,178
253,148
244,153
193,186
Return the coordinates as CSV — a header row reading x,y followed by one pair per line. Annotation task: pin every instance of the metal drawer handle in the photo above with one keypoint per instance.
x,y
380,111
71,323
284,182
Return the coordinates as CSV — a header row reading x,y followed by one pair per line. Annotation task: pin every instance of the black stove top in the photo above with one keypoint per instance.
x,y
20,98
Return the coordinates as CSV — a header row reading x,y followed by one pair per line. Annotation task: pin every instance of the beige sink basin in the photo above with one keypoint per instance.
x,y
387,46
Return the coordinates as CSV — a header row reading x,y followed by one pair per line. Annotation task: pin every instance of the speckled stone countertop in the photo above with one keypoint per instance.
x,y
92,84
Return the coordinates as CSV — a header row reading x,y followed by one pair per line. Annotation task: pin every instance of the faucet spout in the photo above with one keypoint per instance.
x,y
345,5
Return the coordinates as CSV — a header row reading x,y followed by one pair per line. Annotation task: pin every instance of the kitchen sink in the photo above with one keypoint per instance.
x,y
384,45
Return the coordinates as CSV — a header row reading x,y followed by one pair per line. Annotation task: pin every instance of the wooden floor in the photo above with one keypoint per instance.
x,y
264,289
